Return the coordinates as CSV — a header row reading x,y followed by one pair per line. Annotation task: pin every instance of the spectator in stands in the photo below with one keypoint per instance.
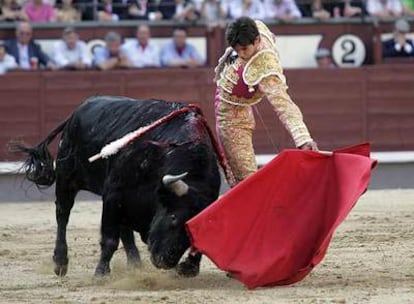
x,y
141,52
284,10
385,8
120,8
106,11
248,8
138,9
70,52
338,8
7,61
177,10
323,58
399,45
86,8
228,6
28,54
353,9
39,11
179,53
10,10
212,14
110,57
198,4
66,11
318,11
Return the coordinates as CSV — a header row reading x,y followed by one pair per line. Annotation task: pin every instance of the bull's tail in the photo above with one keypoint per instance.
x,y
39,165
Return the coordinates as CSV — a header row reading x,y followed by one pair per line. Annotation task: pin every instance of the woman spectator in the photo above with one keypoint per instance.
x,y
66,12
39,11
10,10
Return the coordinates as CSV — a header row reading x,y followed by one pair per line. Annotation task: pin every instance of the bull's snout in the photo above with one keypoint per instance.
x,y
159,262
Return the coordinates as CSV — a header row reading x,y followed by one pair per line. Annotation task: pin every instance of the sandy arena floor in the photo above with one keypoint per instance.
x,y
370,260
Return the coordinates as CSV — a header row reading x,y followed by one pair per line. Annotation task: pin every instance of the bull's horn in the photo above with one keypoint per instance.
x,y
175,183
169,179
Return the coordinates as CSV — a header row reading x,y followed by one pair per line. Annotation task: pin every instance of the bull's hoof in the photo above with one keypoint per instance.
x,y
133,260
61,266
61,270
134,263
188,269
102,271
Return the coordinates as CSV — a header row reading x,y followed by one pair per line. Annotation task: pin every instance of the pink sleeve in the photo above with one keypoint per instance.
x,y
51,16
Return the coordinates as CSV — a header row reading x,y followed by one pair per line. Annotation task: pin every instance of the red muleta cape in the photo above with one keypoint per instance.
x,y
275,226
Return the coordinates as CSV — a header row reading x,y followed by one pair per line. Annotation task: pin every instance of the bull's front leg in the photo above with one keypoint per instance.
x,y
131,250
110,233
190,267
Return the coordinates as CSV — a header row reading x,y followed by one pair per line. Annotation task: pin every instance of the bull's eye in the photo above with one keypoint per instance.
x,y
174,220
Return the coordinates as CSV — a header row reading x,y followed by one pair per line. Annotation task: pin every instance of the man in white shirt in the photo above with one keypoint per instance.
x,y
385,8
248,8
71,52
7,62
141,52
285,10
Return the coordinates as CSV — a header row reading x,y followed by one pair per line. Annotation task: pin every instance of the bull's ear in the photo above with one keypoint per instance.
x,y
175,183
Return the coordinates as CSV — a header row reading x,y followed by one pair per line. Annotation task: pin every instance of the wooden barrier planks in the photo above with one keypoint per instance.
x,y
340,106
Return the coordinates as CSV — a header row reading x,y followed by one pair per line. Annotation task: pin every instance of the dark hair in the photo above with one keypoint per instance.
x,y
242,31
179,28
68,30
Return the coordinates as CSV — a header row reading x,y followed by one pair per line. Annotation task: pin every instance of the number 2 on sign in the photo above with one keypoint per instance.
x,y
348,51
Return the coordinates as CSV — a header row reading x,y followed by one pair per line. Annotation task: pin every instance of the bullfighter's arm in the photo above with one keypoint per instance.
x,y
287,111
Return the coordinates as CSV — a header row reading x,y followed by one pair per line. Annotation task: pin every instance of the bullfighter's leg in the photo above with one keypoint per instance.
x,y
131,250
65,198
235,125
190,267
110,232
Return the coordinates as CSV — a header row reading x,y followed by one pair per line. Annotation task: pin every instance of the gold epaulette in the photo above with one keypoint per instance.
x,y
268,39
263,64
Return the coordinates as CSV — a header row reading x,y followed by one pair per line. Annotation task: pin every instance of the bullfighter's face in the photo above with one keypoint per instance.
x,y
168,239
246,52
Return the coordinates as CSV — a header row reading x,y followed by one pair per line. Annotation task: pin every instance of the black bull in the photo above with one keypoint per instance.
x,y
152,186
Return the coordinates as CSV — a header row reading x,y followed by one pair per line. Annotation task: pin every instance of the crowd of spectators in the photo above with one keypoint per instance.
x,y
213,12
71,53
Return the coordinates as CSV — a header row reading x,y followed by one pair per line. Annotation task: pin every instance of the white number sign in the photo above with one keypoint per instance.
x,y
348,51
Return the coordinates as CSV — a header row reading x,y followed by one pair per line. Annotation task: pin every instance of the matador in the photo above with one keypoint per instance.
x,y
242,81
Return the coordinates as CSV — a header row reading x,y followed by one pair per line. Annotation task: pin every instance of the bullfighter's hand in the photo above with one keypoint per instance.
x,y
311,146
